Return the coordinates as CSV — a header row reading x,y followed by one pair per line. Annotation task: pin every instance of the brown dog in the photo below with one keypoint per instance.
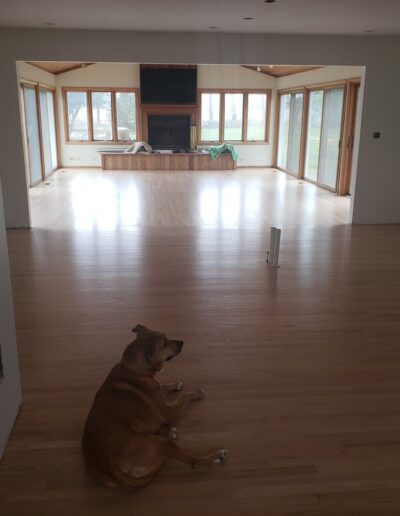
x,y
129,434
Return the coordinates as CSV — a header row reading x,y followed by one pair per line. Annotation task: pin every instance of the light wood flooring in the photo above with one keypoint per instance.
x,y
301,365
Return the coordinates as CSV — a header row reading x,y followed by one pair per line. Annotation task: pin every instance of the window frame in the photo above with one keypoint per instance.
x,y
304,129
38,86
245,92
88,91
307,89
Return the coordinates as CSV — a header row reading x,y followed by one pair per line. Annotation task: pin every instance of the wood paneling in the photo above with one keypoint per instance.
x,y
181,161
205,162
349,125
281,71
58,67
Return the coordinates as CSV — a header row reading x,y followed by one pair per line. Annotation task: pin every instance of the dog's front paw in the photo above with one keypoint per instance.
x,y
199,394
221,456
178,386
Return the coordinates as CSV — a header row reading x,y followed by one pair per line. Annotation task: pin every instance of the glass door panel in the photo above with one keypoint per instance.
x,y
323,138
296,119
283,136
330,138
314,134
48,127
32,134
289,137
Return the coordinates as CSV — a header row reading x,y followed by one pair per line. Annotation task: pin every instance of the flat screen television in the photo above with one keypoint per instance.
x,y
168,85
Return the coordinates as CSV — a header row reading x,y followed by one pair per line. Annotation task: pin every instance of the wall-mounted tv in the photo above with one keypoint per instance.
x,y
166,85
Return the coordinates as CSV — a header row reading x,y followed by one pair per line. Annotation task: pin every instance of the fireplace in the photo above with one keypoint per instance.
x,y
169,132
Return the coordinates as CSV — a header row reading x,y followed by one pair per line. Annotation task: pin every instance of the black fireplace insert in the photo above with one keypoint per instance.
x,y
169,132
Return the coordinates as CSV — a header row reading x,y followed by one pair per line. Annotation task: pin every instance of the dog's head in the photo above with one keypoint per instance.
x,y
151,349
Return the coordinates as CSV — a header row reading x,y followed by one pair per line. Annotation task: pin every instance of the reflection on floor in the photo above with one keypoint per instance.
x,y
300,365
246,198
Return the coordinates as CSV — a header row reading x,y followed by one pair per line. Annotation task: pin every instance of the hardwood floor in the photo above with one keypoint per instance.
x,y
300,365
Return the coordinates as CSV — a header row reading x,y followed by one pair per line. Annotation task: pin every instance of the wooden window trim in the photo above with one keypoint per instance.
x,y
38,86
303,136
56,123
343,173
243,115
245,92
89,92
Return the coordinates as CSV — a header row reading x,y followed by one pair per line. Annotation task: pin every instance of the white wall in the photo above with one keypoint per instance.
x,y
34,74
128,76
375,199
10,389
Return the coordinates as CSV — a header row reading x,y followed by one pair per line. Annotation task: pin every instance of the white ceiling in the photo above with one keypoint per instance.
x,y
284,16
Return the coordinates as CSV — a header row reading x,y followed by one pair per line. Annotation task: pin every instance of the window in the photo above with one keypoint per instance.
x,y
290,132
100,115
210,113
48,128
233,128
78,129
236,116
126,115
323,136
256,116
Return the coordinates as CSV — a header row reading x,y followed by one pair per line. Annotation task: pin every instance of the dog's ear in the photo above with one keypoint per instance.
x,y
138,328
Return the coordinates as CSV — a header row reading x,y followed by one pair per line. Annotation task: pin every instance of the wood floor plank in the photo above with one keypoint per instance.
x,y
300,365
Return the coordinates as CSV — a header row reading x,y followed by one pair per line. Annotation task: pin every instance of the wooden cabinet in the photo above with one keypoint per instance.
x,y
182,161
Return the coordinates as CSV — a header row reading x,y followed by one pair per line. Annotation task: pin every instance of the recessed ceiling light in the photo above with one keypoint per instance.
x,y
248,18
213,27
50,24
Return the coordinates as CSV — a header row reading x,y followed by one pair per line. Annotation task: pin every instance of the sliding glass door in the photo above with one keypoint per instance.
x,y
40,131
323,136
290,129
48,127
32,134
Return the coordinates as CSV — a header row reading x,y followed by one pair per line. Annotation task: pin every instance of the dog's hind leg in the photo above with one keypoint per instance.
x,y
171,451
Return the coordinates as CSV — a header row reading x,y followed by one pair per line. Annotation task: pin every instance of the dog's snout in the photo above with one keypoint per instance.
x,y
179,345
